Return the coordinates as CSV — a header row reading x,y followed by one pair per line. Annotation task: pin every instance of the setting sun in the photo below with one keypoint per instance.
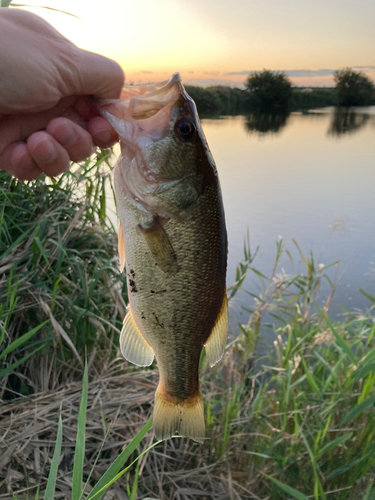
x,y
211,42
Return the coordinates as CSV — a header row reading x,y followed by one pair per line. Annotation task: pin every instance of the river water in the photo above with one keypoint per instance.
x,y
306,176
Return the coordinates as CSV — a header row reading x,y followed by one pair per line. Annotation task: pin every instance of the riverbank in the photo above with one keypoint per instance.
x,y
221,100
301,416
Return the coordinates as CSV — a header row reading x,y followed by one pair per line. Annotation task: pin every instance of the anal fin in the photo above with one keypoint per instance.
x,y
215,344
185,417
133,345
121,247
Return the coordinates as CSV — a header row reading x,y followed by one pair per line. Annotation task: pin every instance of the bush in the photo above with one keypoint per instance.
x,y
269,89
219,100
353,88
312,98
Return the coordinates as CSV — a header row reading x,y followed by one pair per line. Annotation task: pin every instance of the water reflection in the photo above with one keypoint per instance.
x,y
266,122
302,184
346,121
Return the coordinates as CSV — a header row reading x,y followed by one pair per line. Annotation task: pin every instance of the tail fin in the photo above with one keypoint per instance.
x,y
186,418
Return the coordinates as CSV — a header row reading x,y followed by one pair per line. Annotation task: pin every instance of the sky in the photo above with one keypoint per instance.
x,y
222,41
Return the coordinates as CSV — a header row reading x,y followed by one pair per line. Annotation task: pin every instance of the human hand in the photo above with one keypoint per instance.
x,y
47,118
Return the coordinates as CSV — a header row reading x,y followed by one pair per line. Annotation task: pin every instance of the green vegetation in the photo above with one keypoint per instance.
x,y
269,90
295,422
219,100
58,272
112,474
272,92
312,98
353,88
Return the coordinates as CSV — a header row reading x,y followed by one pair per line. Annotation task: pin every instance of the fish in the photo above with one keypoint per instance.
x,y
172,239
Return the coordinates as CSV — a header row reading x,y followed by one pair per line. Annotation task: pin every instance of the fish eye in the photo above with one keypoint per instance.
x,y
185,129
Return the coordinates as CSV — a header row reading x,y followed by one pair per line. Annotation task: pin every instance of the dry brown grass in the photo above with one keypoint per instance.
x,y
118,406
81,292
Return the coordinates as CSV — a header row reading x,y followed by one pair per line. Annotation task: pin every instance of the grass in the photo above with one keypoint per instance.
x,y
296,420
59,273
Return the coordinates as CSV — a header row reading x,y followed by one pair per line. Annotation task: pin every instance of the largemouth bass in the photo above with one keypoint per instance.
x,y
173,240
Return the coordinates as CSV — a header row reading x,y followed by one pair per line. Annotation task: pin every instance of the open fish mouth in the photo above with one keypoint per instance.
x,y
143,111
144,117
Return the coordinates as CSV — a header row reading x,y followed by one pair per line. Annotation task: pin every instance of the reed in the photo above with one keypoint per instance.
x,y
291,419
59,275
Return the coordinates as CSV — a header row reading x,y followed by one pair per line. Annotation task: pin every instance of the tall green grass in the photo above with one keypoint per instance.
x,y
291,419
305,411
59,277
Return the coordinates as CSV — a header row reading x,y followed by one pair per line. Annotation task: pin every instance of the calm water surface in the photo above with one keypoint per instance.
x,y
310,177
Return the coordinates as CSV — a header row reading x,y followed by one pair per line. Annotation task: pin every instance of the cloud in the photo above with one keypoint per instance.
x,y
210,81
298,73
293,72
244,73
364,67
309,72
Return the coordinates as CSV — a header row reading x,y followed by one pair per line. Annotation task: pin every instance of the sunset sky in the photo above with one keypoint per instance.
x,y
222,41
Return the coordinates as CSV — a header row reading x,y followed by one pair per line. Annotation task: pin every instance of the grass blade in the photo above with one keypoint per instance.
x,y
288,489
51,483
21,340
120,474
344,346
79,453
335,442
310,379
369,368
10,368
358,409
368,491
120,461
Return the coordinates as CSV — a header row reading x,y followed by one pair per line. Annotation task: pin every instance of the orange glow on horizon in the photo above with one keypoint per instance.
x,y
213,44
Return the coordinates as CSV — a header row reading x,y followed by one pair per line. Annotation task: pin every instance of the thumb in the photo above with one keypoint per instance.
x,y
99,76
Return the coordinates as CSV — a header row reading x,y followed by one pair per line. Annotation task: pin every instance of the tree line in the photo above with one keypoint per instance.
x,y
273,92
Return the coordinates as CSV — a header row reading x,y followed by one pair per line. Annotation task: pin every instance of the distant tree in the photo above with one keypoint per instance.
x,y
206,102
269,89
353,88
219,100
312,98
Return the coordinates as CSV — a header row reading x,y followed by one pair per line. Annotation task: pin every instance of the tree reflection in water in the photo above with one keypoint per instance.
x,y
266,122
345,121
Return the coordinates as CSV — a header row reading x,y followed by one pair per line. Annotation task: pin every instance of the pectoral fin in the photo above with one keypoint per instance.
x,y
215,344
121,247
160,246
133,345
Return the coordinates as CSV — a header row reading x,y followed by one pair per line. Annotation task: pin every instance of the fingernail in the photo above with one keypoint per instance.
x,y
46,152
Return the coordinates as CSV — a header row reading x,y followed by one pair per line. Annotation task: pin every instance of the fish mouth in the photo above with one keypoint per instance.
x,y
143,111
142,116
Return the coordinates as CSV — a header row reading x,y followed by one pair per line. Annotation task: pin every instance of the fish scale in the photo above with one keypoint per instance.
x,y
173,231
